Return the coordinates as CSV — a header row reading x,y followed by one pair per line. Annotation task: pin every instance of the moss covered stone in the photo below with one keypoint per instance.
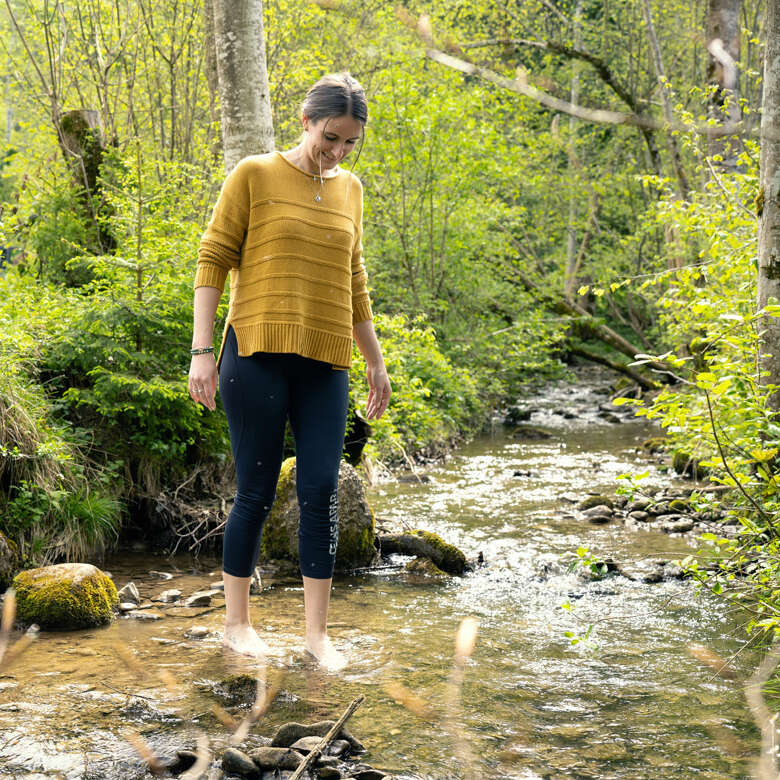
x,y
356,520
592,501
425,544
65,596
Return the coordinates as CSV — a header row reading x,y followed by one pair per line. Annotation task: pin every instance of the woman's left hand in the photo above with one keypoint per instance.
x,y
379,391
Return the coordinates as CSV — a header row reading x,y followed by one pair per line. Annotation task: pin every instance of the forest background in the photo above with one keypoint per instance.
x,y
509,228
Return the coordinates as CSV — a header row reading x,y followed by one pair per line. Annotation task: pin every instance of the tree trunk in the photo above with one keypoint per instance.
x,y
722,31
81,140
247,126
769,203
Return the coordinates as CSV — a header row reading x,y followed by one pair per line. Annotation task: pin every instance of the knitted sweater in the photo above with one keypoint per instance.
x,y
297,280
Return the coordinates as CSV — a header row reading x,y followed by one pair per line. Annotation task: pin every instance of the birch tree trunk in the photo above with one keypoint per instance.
x,y
768,202
247,126
722,31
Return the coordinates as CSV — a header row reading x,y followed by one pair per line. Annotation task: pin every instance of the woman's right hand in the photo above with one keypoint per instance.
x,y
203,380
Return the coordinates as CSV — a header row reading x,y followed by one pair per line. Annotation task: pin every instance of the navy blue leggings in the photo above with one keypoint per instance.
x,y
258,393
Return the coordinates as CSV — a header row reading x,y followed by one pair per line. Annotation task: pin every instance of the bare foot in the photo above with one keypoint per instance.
x,y
326,654
244,639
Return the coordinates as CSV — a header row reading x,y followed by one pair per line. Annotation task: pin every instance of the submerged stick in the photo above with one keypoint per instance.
x,y
328,738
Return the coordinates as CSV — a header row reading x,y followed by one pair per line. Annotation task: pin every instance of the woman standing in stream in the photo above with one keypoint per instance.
x,y
288,228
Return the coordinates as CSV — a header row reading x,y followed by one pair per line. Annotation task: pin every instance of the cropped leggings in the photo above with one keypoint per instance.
x,y
259,392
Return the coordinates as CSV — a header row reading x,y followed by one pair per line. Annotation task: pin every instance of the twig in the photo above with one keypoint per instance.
x,y
326,740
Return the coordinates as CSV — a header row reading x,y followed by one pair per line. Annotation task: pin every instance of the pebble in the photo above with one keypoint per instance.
x,y
144,614
129,593
196,632
126,606
169,596
201,598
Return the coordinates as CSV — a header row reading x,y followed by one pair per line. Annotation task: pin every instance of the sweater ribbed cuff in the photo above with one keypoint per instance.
x,y
361,311
210,275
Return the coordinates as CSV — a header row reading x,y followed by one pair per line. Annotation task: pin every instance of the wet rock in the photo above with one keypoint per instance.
x,y
234,689
356,520
679,526
609,417
515,415
639,516
169,596
339,747
328,760
182,762
638,505
425,567
129,594
305,744
144,614
522,473
598,514
654,444
9,560
292,732
651,571
327,773
659,508
363,772
201,598
126,606
680,505
276,758
425,544
239,763
197,632
163,575
65,596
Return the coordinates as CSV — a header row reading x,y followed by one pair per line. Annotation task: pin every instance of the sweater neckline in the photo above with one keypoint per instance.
x,y
306,173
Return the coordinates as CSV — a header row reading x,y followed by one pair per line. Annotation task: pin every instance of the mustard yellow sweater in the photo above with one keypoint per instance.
x,y
297,279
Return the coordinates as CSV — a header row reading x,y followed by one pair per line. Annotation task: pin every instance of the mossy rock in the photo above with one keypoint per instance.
x,y
591,501
680,505
9,560
65,596
356,521
425,544
688,466
654,444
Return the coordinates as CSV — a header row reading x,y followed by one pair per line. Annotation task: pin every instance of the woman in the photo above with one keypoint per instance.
x,y
288,228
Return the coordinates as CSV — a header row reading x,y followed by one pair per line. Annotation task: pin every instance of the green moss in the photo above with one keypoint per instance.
x,y
274,543
355,549
591,501
451,558
680,505
51,599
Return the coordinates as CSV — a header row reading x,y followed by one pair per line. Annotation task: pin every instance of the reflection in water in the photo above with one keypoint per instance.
x,y
637,705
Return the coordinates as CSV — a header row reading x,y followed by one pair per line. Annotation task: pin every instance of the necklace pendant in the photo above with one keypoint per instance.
x,y
317,198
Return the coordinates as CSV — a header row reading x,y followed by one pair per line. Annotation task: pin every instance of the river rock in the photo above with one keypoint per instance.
x,y
201,598
163,575
426,568
144,614
196,632
65,596
639,516
292,732
356,520
598,514
651,570
595,501
182,762
9,560
276,758
129,593
338,747
169,596
327,773
239,763
425,544
305,744
638,505
680,525
363,772
530,432
234,689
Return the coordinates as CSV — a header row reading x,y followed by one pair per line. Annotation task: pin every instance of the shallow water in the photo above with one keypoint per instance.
x,y
632,704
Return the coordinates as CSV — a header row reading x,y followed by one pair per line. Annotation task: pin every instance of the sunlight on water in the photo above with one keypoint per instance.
x,y
633,704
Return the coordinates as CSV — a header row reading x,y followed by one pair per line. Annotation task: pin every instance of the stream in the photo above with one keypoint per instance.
x,y
631,702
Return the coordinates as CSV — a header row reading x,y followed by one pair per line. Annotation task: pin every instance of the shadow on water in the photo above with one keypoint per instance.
x,y
633,704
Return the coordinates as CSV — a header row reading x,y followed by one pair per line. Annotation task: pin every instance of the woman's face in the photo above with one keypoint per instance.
x,y
328,141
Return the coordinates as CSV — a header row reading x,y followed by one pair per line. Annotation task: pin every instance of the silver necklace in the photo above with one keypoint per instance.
x,y
315,178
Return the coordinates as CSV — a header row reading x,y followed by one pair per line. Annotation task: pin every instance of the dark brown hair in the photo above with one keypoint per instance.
x,y
336,94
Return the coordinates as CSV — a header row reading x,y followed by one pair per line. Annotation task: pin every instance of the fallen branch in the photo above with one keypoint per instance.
x,y
643,382
327,739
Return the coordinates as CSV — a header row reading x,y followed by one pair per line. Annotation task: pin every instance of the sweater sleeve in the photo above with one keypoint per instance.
x,y
361,304
220,245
